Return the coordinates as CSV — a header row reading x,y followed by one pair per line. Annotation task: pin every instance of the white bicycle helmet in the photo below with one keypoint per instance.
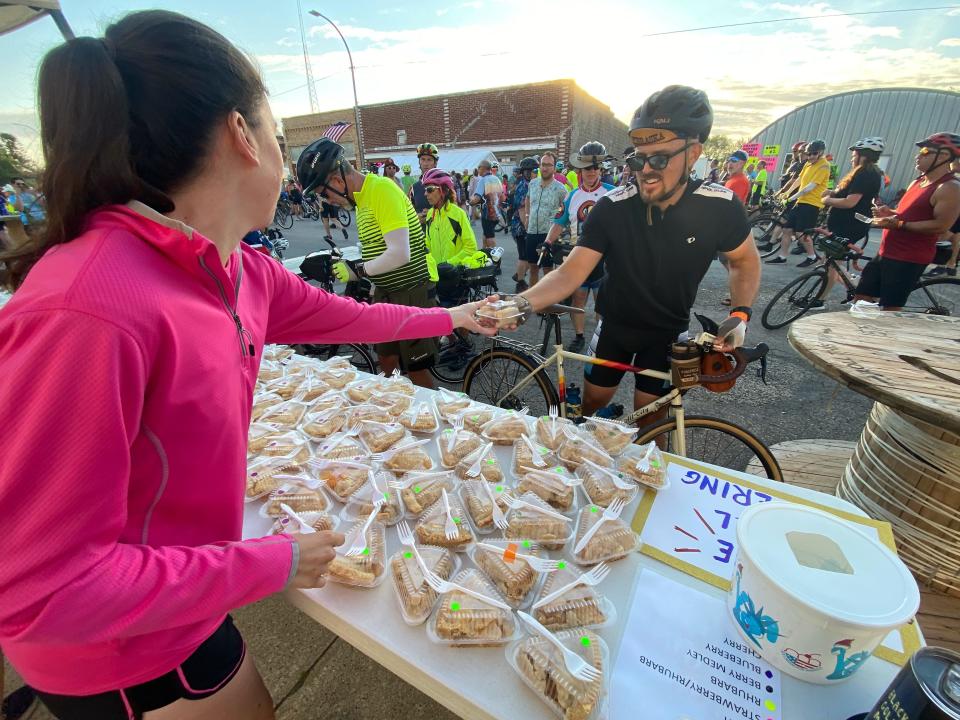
x,y
869,143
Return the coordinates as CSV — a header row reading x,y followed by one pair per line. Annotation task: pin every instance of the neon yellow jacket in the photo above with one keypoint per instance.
x,y
443,243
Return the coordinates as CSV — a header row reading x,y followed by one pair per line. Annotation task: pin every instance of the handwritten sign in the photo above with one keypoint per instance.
x,y
771,163
691,526
751,149
681,653
771,150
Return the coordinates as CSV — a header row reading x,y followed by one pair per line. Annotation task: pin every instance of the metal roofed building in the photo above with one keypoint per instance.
x,y
901,116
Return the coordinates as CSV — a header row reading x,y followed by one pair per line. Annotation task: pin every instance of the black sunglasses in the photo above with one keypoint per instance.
x,y
659,161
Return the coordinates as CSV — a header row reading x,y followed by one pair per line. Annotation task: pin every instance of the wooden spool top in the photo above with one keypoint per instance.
x,y
907,361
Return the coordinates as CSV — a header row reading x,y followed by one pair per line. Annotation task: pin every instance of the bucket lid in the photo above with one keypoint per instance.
x,y
827,564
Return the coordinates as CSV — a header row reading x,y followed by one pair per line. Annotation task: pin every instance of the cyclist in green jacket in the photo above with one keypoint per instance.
x,y
450,238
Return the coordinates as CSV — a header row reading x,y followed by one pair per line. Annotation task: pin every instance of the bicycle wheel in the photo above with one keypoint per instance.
x,y
794,299
361,357
761,227
491,375
343,217
283,217
452,360
715,441
939,296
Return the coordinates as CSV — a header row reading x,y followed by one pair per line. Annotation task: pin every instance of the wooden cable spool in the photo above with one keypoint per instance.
x,y
907,472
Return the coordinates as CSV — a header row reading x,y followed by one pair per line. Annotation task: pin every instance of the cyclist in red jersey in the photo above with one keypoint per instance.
x,y
927,210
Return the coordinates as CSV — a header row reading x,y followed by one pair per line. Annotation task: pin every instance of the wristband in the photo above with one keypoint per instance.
x,y
743,312
524,306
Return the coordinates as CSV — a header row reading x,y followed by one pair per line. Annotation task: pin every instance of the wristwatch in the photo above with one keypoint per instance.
x,y
524,306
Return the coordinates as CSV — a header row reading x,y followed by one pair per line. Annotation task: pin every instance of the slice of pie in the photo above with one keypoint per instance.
x,y
421,491
490,469
524,453
478,503
512,576
416,597
475,417
365,569
580,606
612,540
550,431
549,486
290,444
319,521
539,522
341,478
297,498
462,619
337,379
323,424
408,460
263,402
612,436
449,402
600,487
381,436
259,435
420,418
506,428
542,667
287,414
578,447
651,470
363,413
431,528
395,403
262,474
454,445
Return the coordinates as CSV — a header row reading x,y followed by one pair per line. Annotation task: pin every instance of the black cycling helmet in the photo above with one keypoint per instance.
x,y
529,163
317,161
816,146
683,111
591,154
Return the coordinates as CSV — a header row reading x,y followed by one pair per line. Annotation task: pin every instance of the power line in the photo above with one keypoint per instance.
x,y
803,17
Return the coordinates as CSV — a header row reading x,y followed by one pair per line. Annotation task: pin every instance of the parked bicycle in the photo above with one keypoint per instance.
x,y
283,215
512,374
931,296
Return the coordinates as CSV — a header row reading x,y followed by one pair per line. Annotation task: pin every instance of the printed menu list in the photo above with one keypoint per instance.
x,y
682,659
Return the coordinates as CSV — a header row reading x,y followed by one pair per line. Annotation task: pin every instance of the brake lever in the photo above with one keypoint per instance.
x,y
762,370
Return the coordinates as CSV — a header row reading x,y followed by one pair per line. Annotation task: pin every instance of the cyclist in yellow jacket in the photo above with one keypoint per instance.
x,y
450,238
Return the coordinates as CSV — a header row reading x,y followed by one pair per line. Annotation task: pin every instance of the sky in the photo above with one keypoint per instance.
x,y
753,74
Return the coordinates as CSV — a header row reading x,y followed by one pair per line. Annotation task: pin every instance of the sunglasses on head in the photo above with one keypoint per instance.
x,y
657,161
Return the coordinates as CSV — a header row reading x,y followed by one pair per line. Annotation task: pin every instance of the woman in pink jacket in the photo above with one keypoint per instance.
x,y
129,354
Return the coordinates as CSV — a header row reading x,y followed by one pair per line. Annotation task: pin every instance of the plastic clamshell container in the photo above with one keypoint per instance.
x,y
319,425
414,596
430,528
514,578
379,437
420,490
490,469
549,431
262,475
813,594
448,402
507,427
525,449
612,436
366,570
360,504
599,487
499,313
287,414
463,620
341,478
542,668
645,469
556,486
454,445
298,498
420,418
317,520
613,540
476,501
539,522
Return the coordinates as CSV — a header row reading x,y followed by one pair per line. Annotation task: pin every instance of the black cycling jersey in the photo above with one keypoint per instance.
x,y
654,270
420,202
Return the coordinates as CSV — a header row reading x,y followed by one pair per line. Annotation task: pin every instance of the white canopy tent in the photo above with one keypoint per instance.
x,y
14,14
451,160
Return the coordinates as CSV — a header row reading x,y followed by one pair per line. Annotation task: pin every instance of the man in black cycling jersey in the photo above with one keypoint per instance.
x,y
657,236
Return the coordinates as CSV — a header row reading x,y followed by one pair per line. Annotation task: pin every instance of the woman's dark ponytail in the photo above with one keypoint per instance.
x,y
130,117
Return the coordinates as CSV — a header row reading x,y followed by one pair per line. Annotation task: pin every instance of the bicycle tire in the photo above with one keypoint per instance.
x,y
703,432
494,372
796,295
765,224
451,365
343,217
937,296
283,217
361,357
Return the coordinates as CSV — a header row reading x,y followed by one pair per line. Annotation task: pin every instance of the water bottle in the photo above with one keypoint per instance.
x,y
574,402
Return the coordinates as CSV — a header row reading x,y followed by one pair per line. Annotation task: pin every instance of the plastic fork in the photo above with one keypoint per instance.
x,y
554,412
305,527
593,577
499,519
351,431
538,564
611,512
387,454
474,470
359,543
450,529
412,477
444,586
576,665
615,477
516,504
537,460
457,426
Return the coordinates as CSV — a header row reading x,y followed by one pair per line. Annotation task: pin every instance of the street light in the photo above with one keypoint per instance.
x,y
353,79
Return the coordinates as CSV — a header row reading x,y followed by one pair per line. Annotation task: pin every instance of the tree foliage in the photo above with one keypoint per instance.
x,y
13,161
719,147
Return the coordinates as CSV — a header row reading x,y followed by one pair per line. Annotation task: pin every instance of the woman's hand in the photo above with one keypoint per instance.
x,y
464,316
316,553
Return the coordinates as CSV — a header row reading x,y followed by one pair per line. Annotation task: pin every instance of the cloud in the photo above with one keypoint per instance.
x,y
442,11
287,42
950,42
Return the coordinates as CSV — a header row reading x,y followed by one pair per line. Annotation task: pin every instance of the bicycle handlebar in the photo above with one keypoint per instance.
x,y
742,357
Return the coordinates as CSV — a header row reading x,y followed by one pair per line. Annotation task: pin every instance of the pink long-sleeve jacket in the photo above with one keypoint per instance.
x,y
127,365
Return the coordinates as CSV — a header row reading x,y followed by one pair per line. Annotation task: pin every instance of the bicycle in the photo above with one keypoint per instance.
x,y
930,296
283,215
512,374
318,267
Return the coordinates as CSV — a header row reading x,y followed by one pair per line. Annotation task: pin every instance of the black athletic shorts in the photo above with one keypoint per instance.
x,y
207,670
420,354
329,211
891,281
489,227
530,253
647,349
955,228
801,217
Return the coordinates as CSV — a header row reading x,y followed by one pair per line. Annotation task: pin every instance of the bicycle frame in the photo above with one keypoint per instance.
x,y
674,398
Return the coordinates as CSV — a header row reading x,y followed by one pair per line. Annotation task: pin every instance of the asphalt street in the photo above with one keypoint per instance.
x,y
796,403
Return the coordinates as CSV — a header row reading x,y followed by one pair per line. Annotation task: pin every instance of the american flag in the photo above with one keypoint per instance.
x,y
336,131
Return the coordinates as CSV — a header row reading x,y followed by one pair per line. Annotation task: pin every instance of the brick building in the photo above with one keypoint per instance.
x,y
302,130
511,122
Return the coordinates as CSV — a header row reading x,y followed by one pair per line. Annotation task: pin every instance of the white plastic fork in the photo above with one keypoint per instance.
x,y
594,577
474,470
537,460
516,503
457,426
450,529
415,477
359,542
444,586
499,519
305,527
576,665
614,476
610,513
539,564
387,454
351,431
554,412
